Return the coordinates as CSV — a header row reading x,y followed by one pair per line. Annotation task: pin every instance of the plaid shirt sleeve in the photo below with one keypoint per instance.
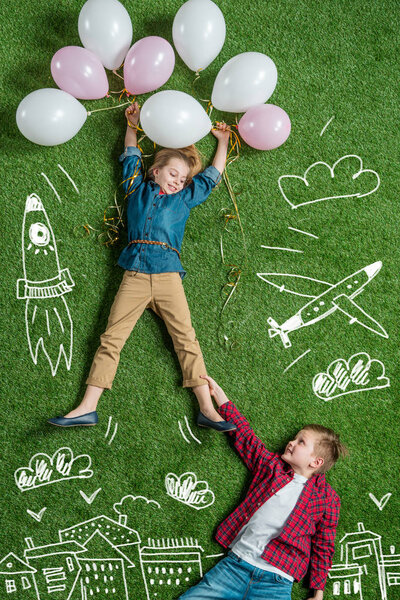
x,y
323,544
250,447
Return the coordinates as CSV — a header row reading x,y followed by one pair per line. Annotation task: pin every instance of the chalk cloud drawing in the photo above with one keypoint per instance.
x,y
382,502
188,490
47,317
44,469
347,173
364,568
122,507
339,296
170,564
359,374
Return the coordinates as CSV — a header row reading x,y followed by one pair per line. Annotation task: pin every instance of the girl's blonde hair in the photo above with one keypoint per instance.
x,y
190,155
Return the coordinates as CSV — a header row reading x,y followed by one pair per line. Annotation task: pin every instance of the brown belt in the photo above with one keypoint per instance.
x,y
163,244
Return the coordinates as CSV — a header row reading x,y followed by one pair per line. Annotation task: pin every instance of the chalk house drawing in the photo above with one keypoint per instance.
x,y
47,317
359,374
44,469
358,176
364,568
102,558
188,490
339,296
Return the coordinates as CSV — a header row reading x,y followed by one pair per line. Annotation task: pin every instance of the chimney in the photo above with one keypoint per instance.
x,y
122,519
361,527
29,543
392,549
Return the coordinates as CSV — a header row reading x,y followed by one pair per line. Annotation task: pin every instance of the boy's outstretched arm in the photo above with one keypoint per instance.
x,y
250,447
222,134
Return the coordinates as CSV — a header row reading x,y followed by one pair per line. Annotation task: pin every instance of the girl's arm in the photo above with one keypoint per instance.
x,y
222,134
132,115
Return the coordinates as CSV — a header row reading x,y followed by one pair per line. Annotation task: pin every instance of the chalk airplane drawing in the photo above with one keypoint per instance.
x,y
331,171
339,296
188,490
47,317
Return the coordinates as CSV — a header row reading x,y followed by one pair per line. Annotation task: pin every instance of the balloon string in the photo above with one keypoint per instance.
x,y
108,108
117,74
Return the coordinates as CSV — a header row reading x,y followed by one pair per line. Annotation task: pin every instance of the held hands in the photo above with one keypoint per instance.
x,y
215,390
221,132
132,114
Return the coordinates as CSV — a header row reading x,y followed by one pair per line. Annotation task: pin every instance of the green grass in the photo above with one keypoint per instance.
x,y
334,58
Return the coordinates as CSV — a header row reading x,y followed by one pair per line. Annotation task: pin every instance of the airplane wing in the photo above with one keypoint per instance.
x,y
358,315
299,285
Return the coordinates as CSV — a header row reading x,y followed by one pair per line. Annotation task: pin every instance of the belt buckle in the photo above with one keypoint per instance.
x,y
164,245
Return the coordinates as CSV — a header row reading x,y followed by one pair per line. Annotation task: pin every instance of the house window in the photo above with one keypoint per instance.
x,y
362,551
70,563
10,586
25,583
356,586
347,586
336,588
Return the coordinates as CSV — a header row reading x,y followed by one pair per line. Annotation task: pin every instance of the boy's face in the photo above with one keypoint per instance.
x,y
300,453
173,176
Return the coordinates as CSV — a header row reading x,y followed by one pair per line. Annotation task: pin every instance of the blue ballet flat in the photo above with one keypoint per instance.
x,y
221,426
86,420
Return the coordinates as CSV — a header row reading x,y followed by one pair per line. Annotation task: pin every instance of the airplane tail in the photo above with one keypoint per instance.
x,y
277,330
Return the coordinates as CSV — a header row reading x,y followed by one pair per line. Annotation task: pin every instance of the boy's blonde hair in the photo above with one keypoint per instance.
x,y
329,447
190,155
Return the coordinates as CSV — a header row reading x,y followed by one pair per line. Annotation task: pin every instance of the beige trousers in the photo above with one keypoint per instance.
x,y
164,294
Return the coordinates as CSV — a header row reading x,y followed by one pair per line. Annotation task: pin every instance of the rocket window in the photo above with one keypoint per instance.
x,y
39,234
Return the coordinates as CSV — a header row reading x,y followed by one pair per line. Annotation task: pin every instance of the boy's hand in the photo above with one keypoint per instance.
x,y
215,390
132,113
222,132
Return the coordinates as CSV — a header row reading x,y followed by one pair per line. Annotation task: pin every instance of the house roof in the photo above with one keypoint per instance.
x,y
117,533
11,564
70,547
99,546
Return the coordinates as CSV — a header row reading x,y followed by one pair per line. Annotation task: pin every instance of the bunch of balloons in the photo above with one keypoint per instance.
x,y
170,118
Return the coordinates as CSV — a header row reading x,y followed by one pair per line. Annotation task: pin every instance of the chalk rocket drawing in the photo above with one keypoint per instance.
x,y
44,469
339,296
47,317
188,490
350,163
359,374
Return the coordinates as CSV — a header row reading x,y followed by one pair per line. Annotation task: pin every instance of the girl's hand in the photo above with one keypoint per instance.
x,y
132,113
222,132
215,390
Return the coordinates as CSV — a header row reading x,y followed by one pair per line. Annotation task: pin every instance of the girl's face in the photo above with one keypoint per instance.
x,y
172,178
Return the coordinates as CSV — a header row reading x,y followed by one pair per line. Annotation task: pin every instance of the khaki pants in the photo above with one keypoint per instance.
x,y
164,294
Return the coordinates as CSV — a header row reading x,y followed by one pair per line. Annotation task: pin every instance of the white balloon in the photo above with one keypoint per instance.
x,y
244,81
174,119
198,32
105,28
50,116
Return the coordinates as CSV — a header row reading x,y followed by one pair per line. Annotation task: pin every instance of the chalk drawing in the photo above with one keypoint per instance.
x,y
47,318
358,177
89,499
52,186
188,490
44,469
277,248
382,502
339,296
359,374
68,177
37,516
304,232
122,507
17,576
364,567
296,360
190,432
108,430
324,128
170,566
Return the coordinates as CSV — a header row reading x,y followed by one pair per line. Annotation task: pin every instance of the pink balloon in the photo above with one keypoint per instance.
x,y
265,126
79,72
148,65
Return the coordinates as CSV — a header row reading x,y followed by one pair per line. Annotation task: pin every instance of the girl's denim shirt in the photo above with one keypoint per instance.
x,y
158,217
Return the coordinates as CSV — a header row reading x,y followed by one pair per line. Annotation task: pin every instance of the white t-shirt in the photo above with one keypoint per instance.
x,y
266,524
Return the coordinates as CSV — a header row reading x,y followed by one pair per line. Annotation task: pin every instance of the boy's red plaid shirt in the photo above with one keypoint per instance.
x,y
308,536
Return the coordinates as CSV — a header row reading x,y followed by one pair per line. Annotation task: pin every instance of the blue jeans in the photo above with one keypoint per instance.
x,y
235,579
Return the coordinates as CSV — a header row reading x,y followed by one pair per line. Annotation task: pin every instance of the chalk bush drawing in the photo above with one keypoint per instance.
x,y
47,318
364,183
170,566
339,296
89,499
364,568
382,502
37,516
188,490
122,507
44,469
359,374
